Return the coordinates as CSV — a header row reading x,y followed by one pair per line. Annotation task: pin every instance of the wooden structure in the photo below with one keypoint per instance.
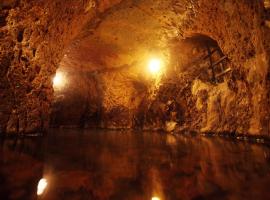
x,y
217,67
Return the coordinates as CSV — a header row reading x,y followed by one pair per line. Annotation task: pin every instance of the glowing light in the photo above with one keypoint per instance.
x,y
155,198
58,80
154,65
42,184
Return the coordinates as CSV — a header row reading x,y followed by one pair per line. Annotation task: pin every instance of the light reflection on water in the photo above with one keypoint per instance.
x,y
97,164
42,185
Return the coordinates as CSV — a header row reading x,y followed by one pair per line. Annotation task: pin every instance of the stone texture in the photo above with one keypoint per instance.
x,y
33,35
239,29
107,45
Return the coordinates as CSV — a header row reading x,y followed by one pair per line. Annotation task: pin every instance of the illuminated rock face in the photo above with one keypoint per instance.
x,y
242,105
107,47
33,35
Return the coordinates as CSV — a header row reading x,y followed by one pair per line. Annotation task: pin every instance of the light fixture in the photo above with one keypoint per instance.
x,y
155,198
59,80
42,184
154,66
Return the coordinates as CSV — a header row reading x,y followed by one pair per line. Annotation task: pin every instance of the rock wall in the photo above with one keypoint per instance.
x,y
33,35
240,31
78,103
122,95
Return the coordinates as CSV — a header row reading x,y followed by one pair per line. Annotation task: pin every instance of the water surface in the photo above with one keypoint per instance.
x,y
124,165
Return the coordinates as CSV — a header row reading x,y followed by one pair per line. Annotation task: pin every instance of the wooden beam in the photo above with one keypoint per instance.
x,y
219,61
211,63
211,53
223,73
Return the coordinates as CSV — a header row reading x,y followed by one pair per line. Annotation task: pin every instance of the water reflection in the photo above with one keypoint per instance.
x,y
124,165
42,185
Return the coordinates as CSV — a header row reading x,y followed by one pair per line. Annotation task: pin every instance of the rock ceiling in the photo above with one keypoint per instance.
x,y
128,34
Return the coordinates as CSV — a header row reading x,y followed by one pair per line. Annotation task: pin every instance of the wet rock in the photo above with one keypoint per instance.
x,y
170,126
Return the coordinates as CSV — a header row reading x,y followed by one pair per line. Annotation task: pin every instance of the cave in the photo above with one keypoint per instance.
x,y
134,99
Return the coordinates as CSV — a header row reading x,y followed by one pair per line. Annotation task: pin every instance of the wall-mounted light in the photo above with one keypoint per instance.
x,y
154,66
155,198
59,80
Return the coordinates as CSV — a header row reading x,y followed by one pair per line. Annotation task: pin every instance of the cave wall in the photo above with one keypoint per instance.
x,y
122,95
241,104
106,99
78,102
238,104
33,35
172,106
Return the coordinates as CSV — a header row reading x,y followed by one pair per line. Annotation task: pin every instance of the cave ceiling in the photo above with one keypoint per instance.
x,y
126,35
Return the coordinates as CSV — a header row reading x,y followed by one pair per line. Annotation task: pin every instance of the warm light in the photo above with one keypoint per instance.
x,y
155,198
154,66
42,184
58,80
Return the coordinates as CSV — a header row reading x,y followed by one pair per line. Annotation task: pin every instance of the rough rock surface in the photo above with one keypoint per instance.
x,y
33,35
239,29
108,50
